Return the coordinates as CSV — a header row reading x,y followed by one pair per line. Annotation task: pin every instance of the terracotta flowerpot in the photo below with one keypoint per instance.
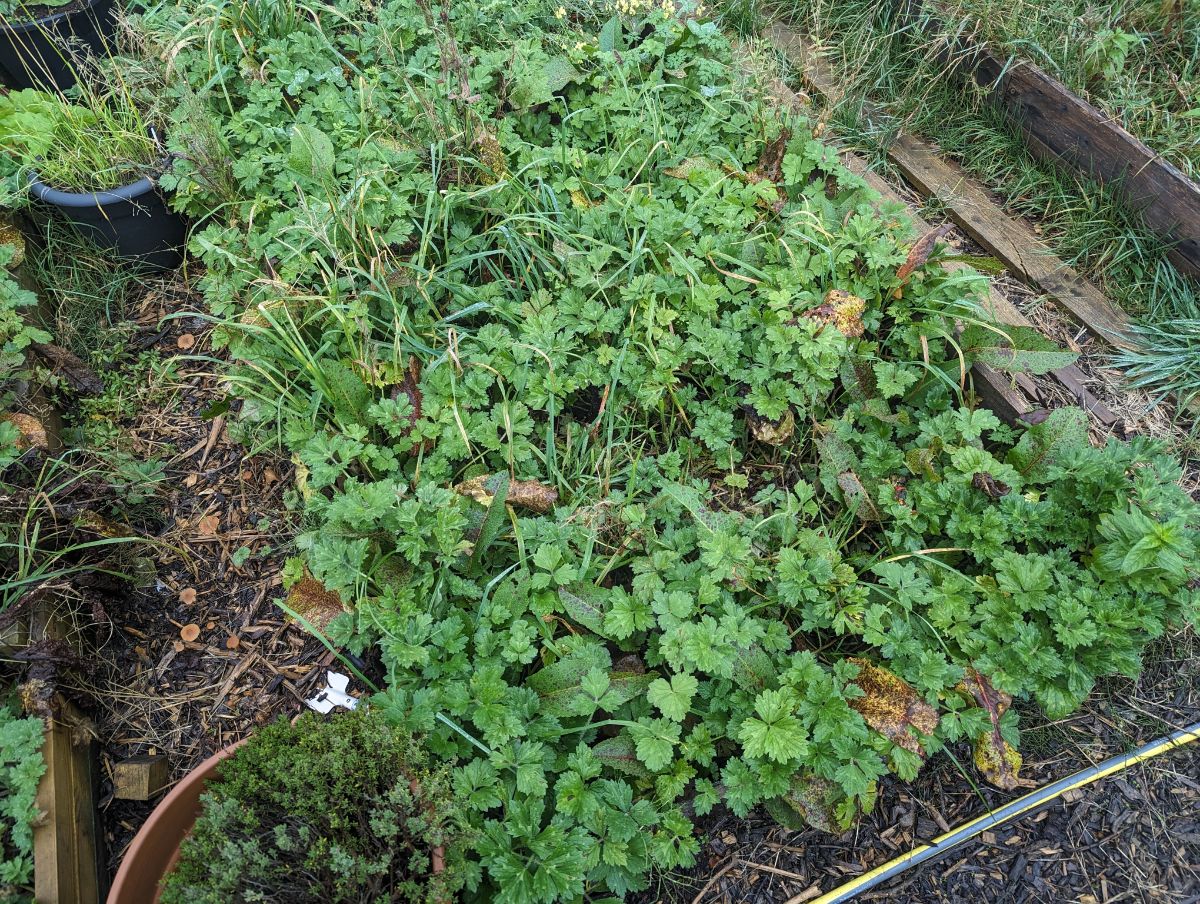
x,y
155,848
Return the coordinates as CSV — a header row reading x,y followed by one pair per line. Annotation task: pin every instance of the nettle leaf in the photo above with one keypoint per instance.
x,y
1014,349
586,604
312,152
1043,445
673,698
620,753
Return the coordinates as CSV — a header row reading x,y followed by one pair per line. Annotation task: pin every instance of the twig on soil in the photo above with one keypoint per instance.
x,y
713,880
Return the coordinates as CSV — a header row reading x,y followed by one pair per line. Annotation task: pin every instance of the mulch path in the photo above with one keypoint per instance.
x,y
1131,837
220,531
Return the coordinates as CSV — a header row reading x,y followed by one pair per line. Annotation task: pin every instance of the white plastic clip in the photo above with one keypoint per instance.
x,y
334,695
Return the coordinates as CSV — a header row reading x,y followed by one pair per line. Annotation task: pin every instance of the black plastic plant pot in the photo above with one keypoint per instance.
x,y
44,52
134,221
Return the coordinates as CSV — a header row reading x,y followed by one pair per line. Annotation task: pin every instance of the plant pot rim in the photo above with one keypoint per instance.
x,y
52,18
60,198
149,849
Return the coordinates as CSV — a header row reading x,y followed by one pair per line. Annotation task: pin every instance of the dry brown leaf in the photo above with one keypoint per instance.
x,y
179,647
98,524
891,706
187,596
208,525
189,633
998,760
33,432
11,235
185,341
191,480
918,254
842,311
410,386
990,486
532,495
527,494
774,433
770,161
309,599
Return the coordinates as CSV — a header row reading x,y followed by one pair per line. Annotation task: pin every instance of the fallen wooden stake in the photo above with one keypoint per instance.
x,y
140,777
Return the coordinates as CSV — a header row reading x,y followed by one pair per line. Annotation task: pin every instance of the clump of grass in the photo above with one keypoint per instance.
x,y
86,294
101,140
1170,361
1137,60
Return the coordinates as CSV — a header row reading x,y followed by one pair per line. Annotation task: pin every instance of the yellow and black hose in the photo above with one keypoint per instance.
x,y
1034,799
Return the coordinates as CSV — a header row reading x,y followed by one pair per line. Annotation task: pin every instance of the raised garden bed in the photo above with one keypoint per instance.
x,y
644,462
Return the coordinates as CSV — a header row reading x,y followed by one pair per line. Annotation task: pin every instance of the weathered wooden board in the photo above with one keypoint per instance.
x,y
1063,128
66,862
1012,241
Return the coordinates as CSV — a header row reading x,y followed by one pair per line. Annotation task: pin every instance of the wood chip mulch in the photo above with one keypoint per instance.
x,y
199,655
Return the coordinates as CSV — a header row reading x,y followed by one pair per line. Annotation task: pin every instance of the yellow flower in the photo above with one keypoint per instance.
x,y
560,13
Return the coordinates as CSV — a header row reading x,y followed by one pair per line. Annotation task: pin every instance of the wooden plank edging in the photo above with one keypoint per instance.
x,y
66,862
998,391
1012,241
1064,129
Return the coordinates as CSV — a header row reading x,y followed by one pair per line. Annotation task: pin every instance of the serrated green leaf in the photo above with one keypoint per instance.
x,y
1044,444
673,698
1014,349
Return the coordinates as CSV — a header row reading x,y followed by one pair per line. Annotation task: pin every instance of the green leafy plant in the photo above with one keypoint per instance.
x,y
16,332
21,768
340,809
642,453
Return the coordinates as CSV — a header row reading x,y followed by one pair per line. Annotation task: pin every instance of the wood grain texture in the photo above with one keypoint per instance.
x,y
140,777
66,864
1012,241
1065,129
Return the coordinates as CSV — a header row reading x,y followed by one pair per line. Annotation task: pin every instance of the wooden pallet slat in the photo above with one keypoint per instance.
x,y
1011,241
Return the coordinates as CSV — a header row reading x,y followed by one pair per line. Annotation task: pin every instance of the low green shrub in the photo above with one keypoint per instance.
x,y
346,808
21,768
